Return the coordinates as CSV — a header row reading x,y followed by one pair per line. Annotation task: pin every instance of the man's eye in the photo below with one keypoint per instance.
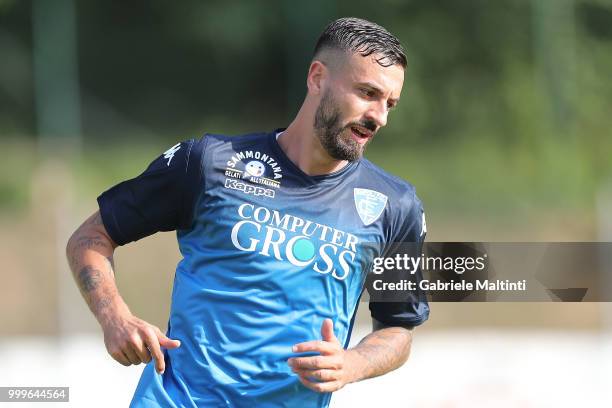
x,y
367,92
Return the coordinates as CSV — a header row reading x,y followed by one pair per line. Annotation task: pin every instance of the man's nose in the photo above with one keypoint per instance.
x,y
378,113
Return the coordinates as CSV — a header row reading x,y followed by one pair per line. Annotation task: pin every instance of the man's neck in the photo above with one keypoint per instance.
x,y
303,148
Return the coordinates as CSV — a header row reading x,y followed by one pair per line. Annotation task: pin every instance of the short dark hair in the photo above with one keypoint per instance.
x,y
356,35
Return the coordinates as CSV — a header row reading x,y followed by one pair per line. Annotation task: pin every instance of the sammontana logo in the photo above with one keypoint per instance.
x,y
256,167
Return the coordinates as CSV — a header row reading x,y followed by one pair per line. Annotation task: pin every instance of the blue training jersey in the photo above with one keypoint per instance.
x,y
268,252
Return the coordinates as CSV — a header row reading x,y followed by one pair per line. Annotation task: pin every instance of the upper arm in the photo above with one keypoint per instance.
x,y
160,199
94,228
91,235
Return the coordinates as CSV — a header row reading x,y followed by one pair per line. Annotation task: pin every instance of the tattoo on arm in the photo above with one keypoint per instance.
x,y
103,302
95,287
89,278
91,242
81,242
90,256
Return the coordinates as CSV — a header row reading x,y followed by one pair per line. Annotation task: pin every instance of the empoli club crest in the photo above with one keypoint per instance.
x,y
369,203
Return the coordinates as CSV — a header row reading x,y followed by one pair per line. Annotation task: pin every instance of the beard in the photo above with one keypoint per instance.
x,y
336,138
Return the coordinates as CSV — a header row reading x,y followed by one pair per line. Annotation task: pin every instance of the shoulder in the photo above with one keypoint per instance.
x,y
235,142
404,214
400,192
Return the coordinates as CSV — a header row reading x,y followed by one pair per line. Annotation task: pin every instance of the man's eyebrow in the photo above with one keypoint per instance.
x,y
379,91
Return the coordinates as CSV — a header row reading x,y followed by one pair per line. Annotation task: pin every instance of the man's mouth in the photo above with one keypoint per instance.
x,y
361,134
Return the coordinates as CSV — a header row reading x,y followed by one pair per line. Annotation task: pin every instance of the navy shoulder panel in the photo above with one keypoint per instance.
x,y
159,199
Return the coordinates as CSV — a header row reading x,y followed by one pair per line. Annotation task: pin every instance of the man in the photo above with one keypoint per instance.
x,y
271,227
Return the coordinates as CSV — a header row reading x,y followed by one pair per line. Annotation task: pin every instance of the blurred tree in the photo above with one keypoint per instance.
x,y
517,89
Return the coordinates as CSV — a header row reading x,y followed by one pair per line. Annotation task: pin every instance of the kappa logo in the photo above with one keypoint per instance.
x,y
249,189
169,154
369,203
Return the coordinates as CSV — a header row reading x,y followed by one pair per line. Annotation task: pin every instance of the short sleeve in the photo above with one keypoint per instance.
x,y
162,198
412,309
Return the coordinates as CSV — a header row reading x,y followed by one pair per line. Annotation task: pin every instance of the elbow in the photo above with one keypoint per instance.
x,y
70,250
404,344
405,355
70,242
407,345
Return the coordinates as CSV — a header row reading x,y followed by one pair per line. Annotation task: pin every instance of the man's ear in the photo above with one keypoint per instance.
x,y
317,76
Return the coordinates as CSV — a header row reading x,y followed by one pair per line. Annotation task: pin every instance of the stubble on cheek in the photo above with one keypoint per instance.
x,y
336,138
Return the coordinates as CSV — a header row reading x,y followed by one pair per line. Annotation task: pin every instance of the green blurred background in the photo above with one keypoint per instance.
x,y
504,127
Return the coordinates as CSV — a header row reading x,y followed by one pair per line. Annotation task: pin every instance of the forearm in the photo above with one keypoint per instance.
x,y
90,255
379,352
